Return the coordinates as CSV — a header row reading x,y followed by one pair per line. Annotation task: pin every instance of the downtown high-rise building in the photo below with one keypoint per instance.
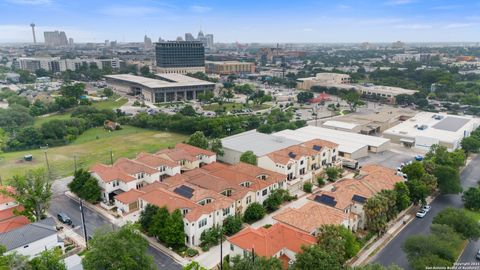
x,y
147,43
189,37
180,57
55,38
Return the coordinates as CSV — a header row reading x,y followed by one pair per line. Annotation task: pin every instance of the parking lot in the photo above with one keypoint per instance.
x,y
390,159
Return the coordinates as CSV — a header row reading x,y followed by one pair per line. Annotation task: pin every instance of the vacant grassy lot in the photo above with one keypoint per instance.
x,y
61,116
92,146
231,106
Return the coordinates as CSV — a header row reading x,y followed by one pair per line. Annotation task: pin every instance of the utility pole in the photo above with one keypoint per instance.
x,y
83,224
111,157
45,148
221,248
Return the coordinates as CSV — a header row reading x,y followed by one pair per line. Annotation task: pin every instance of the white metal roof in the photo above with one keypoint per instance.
x,y
156,83
345,136
340,124
260,143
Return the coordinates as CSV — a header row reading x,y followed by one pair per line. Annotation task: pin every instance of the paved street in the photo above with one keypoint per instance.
x,y
388,158
61,203
393,253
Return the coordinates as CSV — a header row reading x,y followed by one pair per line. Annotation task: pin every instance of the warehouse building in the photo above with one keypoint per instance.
x,y
259,143
427,129
351,145
167,88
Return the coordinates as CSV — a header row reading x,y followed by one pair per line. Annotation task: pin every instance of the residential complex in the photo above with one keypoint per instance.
x,y
168,87
180,57
185,178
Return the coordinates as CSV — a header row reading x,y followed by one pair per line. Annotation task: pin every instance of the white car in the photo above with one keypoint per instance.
x,y
426,208
421,213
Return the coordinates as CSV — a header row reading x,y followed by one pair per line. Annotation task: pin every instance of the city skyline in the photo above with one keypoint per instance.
x,y
302,21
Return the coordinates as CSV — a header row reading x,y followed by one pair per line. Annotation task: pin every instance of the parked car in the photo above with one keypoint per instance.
x,y
421,213
478,255
426,208
418,157
64,218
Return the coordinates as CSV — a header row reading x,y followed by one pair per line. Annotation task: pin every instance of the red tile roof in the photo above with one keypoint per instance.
x,y
268,242
5,198
194,151
129,196
13,223
154,161
109,173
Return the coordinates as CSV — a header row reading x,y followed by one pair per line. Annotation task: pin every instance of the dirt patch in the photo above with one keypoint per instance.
x,y
162,135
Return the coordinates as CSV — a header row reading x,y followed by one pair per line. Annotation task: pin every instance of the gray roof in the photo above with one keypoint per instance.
x,y
28,234
450,123
260,143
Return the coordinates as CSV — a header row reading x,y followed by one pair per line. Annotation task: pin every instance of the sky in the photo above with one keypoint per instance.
x,y
245,21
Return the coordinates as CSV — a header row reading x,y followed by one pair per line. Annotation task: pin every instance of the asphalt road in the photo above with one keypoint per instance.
x,y
387,158
393,253
61,203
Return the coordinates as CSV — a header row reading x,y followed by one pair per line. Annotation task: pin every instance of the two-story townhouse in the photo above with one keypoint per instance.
x,y
187,156
278,241
164,166
350,195
201,209
112,181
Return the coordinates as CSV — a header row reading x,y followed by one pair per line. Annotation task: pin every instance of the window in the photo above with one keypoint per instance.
x,y
249,199
202,223
226,211
264,192
301,162
231,247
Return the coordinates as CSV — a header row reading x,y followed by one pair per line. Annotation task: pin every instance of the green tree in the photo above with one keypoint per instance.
x,y
158,225
275,199
33,191
194,266
254,212
232,225
210,237
316,257
217,147
108,92
403,196
248,263
471,198
147,217
471,144
123,249
460,221
448,179
3,139
352,98
377,266
12,261
304,97
174,231
376,214
307,187
198,139
418,191
73,90
48,260
188,111
249,157
333,173
85,186
339,240
414,170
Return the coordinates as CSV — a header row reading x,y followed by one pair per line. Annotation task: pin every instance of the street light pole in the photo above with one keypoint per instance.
x,y
83,224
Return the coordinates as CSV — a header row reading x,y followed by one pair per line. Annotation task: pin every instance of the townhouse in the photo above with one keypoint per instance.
x,y
349,195
8,207
126,174
279,241
303,162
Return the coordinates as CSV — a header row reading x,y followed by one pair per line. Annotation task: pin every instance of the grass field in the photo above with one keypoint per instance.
x,y
92,146
475,215
61,116
231,106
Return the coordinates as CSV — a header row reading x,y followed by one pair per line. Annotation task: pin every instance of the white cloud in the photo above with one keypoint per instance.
x,y
129,11
30,2
460,25
448,7
415,26
307,30
399,2
200,9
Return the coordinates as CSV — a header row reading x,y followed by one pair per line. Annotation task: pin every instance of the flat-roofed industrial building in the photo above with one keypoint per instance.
x,y
167,88
351,145
426,129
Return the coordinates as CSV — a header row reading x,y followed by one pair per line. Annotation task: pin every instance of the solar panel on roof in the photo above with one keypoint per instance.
x,y
292,155
325,199
317,147
359,199
184,191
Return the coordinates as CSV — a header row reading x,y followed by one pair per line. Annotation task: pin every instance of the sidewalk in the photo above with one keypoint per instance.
x,y
97,209
211,258
170,253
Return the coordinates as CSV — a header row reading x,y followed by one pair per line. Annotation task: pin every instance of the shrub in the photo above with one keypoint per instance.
x,y
320,181
232,225
191,252
307,187
254,212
